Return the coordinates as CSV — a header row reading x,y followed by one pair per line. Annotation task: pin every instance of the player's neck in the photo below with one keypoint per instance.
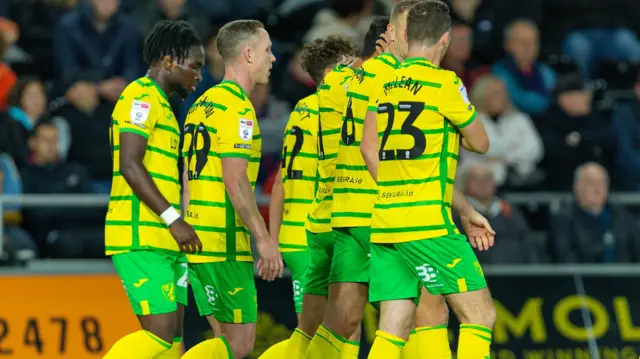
x,y
392,49
429,53
239,76
154,74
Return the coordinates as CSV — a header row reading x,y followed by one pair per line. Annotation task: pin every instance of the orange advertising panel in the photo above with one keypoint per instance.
x,y
62,316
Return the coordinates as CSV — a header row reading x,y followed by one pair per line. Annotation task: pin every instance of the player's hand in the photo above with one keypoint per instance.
x,y
270,264
478,230
382,44
185,236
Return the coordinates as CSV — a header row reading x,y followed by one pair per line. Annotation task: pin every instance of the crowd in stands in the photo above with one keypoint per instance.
x,y
556,84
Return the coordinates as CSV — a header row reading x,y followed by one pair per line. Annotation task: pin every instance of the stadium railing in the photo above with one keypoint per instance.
x,y
553,200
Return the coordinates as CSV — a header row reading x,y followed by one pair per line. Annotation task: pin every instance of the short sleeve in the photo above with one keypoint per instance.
x,y
374,97
454,103
136,114
235,136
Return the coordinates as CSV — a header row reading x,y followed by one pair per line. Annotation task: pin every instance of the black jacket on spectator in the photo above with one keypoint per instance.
x,y
576,236
626,124
513,243
58,230
81,52
491,18
561,17
13,139
597,144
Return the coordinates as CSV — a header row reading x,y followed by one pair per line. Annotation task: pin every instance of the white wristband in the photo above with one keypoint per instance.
x,y
170,215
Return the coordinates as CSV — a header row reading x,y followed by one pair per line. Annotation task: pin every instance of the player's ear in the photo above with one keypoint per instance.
x,y
247,53
167,62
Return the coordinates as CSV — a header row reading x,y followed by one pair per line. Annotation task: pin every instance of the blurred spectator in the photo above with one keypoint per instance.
x,y
591,230
28,104
212,74
488,19
458,56
8,78
528,81
591,30
512,245
37,20
294,83
11,185
222,11
148,12
272,115
97,52
516,148
342,18
572,132
58,233
626,124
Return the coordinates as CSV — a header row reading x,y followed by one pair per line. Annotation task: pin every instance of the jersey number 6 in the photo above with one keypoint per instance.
x,y
200,146
407,128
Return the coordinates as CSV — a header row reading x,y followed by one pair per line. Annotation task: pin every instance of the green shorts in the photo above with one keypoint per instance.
x,y
297,262
229,289
350,263
199,293
320,254
443,265
155,281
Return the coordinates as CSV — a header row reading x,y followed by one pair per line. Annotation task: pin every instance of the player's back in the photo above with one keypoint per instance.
x,y
332,99
299,172
417,125
143,109
221,123
354,190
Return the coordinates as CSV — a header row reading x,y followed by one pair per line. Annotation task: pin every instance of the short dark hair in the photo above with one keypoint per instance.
x,y
346,8
234,34
427,21
169,38
319,54
378,27
401,6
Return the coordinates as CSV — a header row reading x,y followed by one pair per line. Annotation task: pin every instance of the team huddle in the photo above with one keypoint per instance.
x,y
360,210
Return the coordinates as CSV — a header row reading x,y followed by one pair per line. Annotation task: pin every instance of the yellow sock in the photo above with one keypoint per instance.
x,y
434,340
174,352
350,350
386,346
325,345
298,344
474,342
217,348
139,345
411,350
276,351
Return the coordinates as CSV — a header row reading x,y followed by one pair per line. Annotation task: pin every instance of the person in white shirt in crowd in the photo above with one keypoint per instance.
x,y
516,147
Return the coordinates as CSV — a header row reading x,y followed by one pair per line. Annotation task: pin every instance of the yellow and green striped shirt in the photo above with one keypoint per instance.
x,y
332,99
299,173
221,123
418,122
354,190
143,109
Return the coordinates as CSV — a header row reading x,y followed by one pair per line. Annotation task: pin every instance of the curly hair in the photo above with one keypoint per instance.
x,y
320,54
169,38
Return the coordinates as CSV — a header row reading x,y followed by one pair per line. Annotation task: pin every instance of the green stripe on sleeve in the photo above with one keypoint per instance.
x,y
134,131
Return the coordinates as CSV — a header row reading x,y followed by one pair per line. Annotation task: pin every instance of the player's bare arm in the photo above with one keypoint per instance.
x,y
132,150
474,137
369,144
476,226
236,182
185,187
276,206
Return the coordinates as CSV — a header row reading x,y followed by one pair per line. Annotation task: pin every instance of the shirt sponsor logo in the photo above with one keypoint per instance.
x,y
463,92
246,129
245,146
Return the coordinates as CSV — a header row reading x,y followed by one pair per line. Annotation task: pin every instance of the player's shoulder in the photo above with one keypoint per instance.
x,y
308,104
384,62
142,89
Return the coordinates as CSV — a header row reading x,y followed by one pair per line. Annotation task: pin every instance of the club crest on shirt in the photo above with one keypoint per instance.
x,y
246,129
139,112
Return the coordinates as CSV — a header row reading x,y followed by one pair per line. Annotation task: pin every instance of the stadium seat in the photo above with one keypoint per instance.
x,y
620,75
